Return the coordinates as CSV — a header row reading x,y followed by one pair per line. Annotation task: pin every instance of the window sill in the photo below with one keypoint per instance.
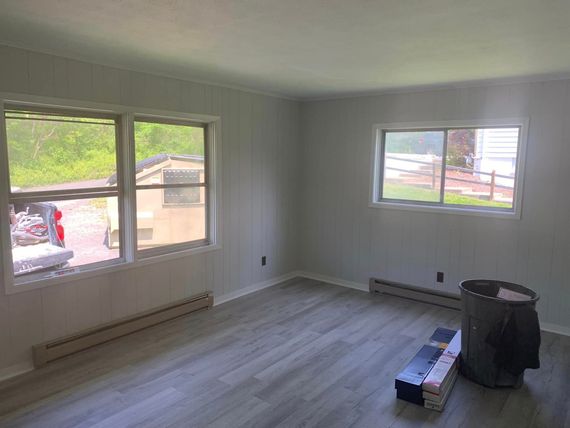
x,y
447,209
111,267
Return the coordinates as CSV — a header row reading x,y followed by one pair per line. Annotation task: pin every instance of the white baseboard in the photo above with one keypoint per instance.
x,y
254,287
15,370
555,328
334,281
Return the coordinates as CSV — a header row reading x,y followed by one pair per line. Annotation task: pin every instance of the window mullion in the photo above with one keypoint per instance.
x,y
443,168
127,189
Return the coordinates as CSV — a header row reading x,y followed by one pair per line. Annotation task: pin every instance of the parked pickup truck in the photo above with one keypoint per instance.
x,y
38,238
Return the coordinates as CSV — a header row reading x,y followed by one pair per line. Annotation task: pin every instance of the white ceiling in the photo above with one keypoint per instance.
x,y
303,48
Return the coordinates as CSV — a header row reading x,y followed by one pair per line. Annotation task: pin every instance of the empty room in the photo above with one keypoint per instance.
x,y
284,213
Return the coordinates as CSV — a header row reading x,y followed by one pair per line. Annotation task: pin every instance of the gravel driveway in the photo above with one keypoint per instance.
x,y
85,223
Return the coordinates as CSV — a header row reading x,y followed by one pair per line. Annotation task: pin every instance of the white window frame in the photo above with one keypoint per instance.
x,y
75,193
377,168
126,185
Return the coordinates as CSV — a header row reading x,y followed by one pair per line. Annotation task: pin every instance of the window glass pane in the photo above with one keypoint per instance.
x,y
53,152
412,165
161,224
50,236
481,166
161,146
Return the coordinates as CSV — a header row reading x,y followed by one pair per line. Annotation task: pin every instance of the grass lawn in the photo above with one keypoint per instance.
x,y
406,192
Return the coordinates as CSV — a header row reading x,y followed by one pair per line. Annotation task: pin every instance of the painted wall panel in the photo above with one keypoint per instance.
x,y
41,74
342,237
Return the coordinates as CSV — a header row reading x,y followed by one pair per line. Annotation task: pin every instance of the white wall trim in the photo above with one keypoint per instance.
x,y
218,300
163,74
555,328
15,370
437,87
334,281
337,95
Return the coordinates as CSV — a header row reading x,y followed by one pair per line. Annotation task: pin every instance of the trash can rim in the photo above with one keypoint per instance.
x,y
496,299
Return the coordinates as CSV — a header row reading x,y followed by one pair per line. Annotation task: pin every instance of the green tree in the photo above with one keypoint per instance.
x,y
48,150
155,138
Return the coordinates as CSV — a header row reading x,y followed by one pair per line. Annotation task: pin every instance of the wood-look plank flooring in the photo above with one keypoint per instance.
x,y
299,354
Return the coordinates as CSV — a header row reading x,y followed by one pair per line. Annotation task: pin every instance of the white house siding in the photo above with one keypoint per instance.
x,y
496,150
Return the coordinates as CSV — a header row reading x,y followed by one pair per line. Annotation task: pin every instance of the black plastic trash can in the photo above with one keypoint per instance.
x,y
483,313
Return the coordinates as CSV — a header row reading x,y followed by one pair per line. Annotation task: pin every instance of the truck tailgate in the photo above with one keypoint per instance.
x,y
38,257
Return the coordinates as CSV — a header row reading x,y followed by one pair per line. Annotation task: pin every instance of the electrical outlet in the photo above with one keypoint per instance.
x,y
263,261
440,277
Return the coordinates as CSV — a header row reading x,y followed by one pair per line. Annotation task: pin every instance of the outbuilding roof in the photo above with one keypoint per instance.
x,y
155,160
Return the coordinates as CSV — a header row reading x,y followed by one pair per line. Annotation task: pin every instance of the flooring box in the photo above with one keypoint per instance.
x,y
409,381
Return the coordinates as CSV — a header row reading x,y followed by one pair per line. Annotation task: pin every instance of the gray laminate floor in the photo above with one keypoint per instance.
x,y
302,353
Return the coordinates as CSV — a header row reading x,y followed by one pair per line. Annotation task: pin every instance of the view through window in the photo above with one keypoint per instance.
x,y
66,192
473,167
171,183
59,165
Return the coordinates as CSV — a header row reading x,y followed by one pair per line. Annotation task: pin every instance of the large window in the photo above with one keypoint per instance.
x,y
463,168
89,190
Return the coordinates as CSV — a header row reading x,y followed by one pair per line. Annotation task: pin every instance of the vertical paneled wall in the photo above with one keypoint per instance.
x,y
260,204
277,186
344,238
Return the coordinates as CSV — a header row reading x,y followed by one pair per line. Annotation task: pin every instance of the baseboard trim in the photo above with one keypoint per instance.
x,y
332,280
254,287
15,370
544,326
555,328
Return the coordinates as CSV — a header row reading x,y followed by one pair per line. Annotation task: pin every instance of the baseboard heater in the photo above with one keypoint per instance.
x,y
439,298
59,348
